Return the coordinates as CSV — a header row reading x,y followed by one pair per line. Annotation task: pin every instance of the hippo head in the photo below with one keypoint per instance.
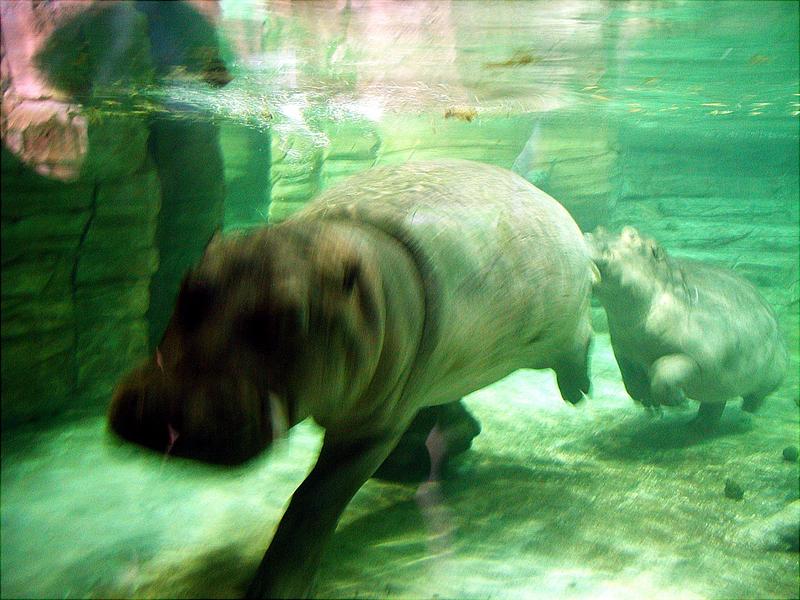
x,y
626,260
260,325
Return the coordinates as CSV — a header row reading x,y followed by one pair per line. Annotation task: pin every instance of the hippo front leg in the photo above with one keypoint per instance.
x,y
291,561
669,376
636,381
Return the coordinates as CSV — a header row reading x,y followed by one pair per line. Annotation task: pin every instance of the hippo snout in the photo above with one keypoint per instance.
x,y
212,419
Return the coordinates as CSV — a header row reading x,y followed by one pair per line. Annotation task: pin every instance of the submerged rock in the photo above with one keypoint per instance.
x,y
733,490
781,531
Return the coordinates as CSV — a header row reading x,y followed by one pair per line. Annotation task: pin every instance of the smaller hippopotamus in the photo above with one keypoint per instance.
x,y
681,328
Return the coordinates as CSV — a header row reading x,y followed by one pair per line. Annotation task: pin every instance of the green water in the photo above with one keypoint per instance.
x,y
678,117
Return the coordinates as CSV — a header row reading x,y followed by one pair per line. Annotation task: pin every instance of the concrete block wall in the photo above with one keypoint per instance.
x,y
576,165
85,167
728,196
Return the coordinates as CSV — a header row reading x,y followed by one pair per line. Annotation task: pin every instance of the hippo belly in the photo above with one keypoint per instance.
x,y
731,333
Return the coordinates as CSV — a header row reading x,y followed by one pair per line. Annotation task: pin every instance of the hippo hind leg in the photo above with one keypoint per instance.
x,y
572,374
752,402
411,461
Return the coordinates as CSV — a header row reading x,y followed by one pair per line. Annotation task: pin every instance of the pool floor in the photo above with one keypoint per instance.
x,y
599,500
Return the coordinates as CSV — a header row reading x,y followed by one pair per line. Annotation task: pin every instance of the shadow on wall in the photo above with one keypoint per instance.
x,y
107,197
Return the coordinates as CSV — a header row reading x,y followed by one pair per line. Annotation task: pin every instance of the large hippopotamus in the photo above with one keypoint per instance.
x,y
402,287
681,328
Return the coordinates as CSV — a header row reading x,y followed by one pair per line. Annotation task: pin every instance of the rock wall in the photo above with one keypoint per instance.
x,y
247,151
79,206
85,169
577,162
76,263
304,162
190,168
353,146
294,173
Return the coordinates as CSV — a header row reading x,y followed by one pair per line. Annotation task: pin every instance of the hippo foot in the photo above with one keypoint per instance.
x,y
572,374
672,397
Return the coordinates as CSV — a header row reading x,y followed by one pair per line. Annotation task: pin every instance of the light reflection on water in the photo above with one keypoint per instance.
x,y
294,64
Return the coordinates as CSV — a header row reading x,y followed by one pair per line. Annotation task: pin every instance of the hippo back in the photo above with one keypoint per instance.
x,y
741,347
506,273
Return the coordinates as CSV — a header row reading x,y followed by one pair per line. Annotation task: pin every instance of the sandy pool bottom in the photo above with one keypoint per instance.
x,y
602,500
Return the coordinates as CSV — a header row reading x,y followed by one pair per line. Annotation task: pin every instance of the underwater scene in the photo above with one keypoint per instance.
x,y
400,299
